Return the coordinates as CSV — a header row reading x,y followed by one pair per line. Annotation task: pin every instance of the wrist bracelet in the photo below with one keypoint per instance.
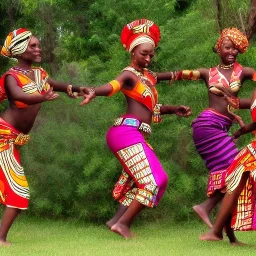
x,y
70,93
92,91
157,114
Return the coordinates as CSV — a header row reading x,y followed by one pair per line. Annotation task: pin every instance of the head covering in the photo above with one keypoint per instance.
x,y
16,42
236,36
139,32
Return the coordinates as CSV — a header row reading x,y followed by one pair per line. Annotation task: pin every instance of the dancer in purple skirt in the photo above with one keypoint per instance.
x,y
210,128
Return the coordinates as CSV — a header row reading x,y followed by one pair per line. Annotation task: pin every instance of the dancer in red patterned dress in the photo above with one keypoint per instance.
x,y
238,210
25,88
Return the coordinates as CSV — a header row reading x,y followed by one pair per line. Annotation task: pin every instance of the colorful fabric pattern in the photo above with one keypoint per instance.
x,y
217,149
14,190
144,91
143,177
216,77
16,42
217,181
40,84
139,32
243,217
237,37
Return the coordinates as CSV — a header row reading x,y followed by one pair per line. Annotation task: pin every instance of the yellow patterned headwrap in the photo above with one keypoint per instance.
x,y
16,42
236,36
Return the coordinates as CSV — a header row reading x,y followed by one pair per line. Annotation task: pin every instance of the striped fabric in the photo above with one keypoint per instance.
x,y
16,42
14,190
217,149
243,217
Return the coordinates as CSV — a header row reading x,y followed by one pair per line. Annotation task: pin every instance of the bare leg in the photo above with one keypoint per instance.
x,y
9,216
229,201
231,234
122,226
204,209
121,210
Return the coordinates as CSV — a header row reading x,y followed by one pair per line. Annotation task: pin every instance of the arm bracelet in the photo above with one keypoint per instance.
x,y
157,118
70,93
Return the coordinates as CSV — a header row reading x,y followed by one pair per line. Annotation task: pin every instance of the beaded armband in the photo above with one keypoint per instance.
x,y
115,87
185,75
70,93
157,114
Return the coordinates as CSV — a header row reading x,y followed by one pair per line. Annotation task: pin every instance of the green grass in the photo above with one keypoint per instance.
x,y
47,237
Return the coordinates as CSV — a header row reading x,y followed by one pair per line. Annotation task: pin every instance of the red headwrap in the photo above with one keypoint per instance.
x,y
236,36
139,32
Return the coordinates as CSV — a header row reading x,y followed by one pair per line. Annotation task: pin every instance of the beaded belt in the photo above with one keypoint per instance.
x,y
7,135
128,121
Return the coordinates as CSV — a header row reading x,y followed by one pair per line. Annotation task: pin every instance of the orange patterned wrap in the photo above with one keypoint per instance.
x,y
236,36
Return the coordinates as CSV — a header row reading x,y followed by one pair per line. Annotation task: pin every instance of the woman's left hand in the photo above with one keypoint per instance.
x,y
183,111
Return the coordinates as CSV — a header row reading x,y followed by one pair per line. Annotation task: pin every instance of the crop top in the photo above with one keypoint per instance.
x,y
28,86
216,77
144,91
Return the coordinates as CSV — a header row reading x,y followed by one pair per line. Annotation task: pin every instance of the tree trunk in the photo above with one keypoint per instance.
x,y
251,27
218,10
11,13
49,40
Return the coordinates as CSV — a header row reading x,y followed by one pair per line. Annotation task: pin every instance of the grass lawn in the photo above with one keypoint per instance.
x,y
47,237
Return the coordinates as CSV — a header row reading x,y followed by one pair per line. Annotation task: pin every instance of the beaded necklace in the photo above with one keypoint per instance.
x,y
230,66
24,71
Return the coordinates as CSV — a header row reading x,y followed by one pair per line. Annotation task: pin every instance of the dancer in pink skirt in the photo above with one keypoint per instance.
x,y
143,180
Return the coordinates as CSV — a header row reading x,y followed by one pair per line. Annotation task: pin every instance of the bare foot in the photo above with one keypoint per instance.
x,y
237,243
210,236
202,214
5,243
110,223
122,230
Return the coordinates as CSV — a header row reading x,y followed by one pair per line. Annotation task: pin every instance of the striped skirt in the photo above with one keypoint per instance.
x,y
14,190
243,217
215,146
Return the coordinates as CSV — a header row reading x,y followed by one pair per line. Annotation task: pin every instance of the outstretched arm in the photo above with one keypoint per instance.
x,y
245,129
248,74
172,76
125,79
183,111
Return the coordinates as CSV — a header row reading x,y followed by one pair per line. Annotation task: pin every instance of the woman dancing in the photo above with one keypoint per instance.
x,y
25,88
143,180
210,128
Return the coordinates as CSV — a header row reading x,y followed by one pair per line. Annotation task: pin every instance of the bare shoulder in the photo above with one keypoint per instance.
x,y
10,80
127,77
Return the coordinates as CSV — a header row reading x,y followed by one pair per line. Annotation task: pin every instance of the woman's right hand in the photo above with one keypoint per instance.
x,y
50,95
89,94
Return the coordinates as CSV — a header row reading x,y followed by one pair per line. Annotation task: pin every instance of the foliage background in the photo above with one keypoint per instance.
x,y
70,170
